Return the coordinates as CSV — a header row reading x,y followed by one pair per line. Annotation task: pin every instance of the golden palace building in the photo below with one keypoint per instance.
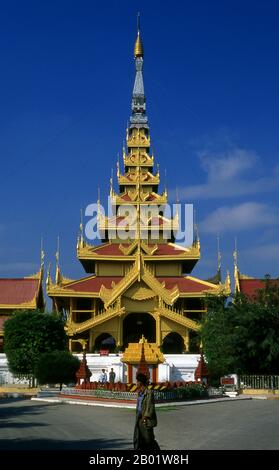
x,y
140,285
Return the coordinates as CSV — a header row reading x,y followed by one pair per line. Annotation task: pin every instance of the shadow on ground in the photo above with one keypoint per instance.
x,y
49,444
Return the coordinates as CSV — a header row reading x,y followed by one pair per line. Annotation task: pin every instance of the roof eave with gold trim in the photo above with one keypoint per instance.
x,y
32,305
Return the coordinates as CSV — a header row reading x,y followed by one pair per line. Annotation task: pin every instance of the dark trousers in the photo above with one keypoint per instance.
x,y
144,437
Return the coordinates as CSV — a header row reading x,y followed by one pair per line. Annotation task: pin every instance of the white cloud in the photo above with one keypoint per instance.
x,y
268,252
240,217
230,174
228,165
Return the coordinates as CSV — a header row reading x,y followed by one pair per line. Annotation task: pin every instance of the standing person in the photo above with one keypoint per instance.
x,y
103,377
112,376
146,418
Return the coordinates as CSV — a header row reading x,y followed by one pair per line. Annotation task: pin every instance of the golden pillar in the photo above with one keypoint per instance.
x,y
187,340
71,309
158,330
91,343
120,332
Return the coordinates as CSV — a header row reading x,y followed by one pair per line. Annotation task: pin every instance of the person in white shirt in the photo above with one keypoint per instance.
x,y
103,377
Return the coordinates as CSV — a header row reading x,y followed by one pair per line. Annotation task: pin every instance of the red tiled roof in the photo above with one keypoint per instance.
x,y
18,291
110,249
183,284
166,249
93,284
250,287
114,250
151,197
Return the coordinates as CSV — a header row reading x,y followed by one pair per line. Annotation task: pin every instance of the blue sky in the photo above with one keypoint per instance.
x,y
211,74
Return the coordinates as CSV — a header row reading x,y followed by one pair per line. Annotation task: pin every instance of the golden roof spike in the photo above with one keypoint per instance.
x,y
138,49
111,183
42,257
228,282
118,166
219,256
80,238
196,231
57,256
48,279
235,253
236,272
81,221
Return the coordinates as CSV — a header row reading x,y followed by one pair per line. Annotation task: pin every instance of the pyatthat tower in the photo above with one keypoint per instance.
x,y
139,280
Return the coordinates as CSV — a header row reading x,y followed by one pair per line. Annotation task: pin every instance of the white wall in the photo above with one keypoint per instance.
x,y
175,367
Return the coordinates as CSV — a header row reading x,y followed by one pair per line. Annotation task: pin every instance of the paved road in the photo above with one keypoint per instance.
x,y
251,424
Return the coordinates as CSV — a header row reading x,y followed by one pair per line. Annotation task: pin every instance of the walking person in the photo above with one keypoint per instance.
x,y
111,376
146,418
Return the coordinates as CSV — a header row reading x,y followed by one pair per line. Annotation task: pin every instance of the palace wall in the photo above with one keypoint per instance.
x,y
175,367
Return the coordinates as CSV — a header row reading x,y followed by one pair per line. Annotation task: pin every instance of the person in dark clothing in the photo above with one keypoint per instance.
x,y
112,376
146,418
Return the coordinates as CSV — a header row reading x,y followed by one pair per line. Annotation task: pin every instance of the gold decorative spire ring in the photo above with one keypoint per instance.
x,y
138,49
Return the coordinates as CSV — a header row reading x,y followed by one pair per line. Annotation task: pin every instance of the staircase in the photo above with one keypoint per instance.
x,y
74,328
178,316
108,296
168,296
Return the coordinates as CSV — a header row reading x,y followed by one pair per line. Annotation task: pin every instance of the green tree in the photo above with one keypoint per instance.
x,y
57,367
29,333
242,336
216,335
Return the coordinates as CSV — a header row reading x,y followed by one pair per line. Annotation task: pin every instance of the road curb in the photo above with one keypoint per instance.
x,y
108,404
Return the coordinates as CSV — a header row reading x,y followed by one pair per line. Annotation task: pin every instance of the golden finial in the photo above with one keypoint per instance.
x,y
42,255
196,231
142,340
48,279
111,183
228,283
57,256
235,254
118,166
219,257
81,221
80,237
236,273
124,152
138,50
